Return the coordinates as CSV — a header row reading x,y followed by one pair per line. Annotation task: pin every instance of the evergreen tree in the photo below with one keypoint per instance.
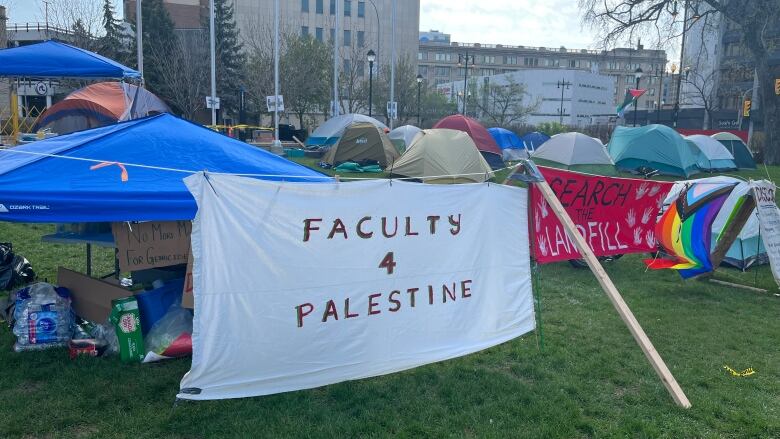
x,y
159,41
81,35
111,45
230,57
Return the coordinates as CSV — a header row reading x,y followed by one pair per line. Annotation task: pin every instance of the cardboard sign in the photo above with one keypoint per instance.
x,y
615,215
152,244
91,297
187,299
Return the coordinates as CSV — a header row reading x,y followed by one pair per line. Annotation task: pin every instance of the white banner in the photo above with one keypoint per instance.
x,y
769,222
301,285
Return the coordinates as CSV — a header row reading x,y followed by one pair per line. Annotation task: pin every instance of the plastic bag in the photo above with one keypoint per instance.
x,y
43,317
171,336
14,269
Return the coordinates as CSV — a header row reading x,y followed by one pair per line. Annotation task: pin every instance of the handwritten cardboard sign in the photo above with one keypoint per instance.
x,y
152,244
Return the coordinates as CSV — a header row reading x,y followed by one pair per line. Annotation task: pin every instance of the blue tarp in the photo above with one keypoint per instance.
x,y
51,59
36,188
506,139
535,139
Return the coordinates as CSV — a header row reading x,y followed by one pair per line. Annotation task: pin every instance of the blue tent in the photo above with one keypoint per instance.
x,y
35,187
51,59
535,139
506,139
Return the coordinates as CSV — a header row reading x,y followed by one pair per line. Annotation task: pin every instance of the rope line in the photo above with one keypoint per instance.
x,y
188,171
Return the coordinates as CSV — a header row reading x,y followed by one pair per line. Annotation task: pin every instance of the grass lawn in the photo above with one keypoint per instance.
x,y
590,379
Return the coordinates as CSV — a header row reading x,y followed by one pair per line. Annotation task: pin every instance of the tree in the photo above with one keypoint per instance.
x,y
353,81
434,106
82,36
704,92
405,90
230,58
618,19
304,67
158,36
552,128
185,73
502,104
111,44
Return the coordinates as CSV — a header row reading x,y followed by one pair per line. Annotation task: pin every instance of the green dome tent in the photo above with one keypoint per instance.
x,y
654,146
713,155
362,142
442,151
742,156
575,152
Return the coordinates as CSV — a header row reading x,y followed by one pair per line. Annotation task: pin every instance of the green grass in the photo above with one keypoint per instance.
x,y
589,380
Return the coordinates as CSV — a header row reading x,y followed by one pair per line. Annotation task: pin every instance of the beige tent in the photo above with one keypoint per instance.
x,y
439,152
362,142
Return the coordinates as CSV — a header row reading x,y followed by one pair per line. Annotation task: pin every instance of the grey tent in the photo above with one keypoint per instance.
x,y
362,142
403,136
575,152
441,152
742,156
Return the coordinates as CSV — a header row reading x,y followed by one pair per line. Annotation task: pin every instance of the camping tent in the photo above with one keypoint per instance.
x,y
512,147
484,141
576,152
713,156
742,156
654,146
442,151
100,104
36,187
534,139
52,59
748,248
403,136
329,132
361,142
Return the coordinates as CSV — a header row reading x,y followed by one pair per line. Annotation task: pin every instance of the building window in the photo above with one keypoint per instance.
x,y
332,7
318,33
488,72
442,71
348,38
333,36
347,8
573,63
347,65
318,6
304,5
361,9
553,63
510,60
360,66
361,38
422,70
421,56
490,59
442,56
304,31
530,62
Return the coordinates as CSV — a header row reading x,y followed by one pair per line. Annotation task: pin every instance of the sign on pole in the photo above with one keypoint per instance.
x,y
392,110
212,102
275,102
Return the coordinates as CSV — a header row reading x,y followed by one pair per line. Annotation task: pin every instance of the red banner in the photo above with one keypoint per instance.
x,y
615,215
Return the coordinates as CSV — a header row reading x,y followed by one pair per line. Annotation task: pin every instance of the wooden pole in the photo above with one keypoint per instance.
x,y
299,142
746,287
728,236
614,296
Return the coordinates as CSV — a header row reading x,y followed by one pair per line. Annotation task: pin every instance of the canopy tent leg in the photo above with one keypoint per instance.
x,y
89,260
536,286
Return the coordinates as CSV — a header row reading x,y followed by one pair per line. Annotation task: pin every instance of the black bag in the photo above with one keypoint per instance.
x,y
14,269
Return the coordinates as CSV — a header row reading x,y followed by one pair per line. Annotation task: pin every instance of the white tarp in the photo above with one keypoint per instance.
x,y
301,285
769,222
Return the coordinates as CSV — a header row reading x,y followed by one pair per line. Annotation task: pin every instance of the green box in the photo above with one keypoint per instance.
x,y
127,322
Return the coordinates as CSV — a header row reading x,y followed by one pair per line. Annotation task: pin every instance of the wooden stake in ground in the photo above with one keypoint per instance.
x,y
614,296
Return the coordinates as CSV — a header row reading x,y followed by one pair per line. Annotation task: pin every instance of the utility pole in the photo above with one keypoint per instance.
x,y
276,74
392,70
464,58
336,109
213,64
660,76
46,2
563,85
139,36
679,77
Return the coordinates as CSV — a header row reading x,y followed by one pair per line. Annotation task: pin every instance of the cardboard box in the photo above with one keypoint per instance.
x,y
187,297
151,244
91,298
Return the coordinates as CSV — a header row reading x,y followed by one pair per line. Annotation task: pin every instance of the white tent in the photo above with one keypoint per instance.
x,y
713,155
403,135
329,132
748,249
576,152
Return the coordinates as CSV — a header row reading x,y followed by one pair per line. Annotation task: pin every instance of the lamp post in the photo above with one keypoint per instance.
x,y
659,73
638,76
419,86
563,85
464,58
682,53
371,58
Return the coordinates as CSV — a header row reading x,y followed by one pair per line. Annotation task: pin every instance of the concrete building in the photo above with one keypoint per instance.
x,y
587,100
439,63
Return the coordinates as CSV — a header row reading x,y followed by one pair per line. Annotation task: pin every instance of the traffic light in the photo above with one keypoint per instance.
x,y
777,86
746,108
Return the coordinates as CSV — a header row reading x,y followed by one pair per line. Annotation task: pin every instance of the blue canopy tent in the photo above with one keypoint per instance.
x,y
52,59
535,139
38,185
512,147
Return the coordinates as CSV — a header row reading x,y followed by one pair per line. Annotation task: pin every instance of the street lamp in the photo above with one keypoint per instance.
x,y
419,85
465,58
371,56
638,76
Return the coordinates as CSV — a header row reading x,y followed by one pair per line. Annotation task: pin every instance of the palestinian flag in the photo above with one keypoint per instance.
x,y
631,96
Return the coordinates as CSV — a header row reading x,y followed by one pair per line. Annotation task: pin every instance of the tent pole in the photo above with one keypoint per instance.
x,y
614,296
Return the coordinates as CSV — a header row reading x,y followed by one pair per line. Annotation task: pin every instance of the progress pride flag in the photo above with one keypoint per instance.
x,y
615,215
